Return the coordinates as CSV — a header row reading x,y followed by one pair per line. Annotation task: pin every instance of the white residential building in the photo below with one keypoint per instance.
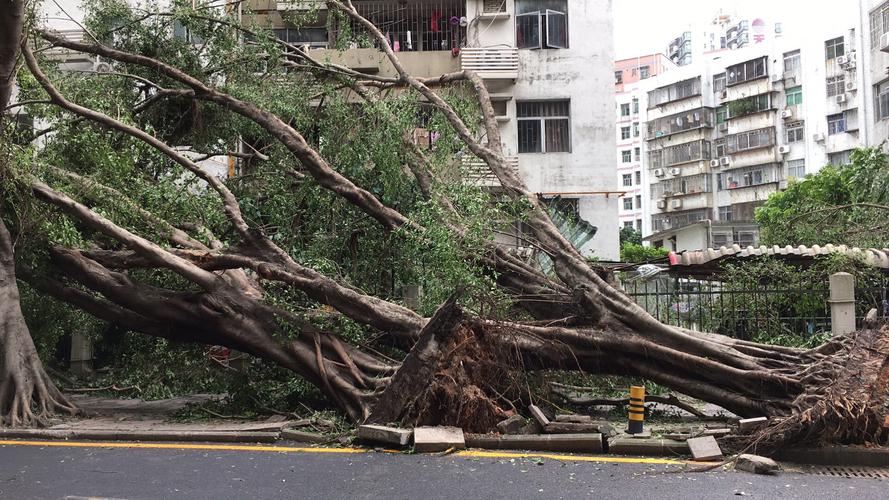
x,y
725,133
874,62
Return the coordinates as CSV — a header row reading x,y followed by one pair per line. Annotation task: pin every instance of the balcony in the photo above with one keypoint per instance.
x,y
491,63
681,153
680,122
63,54
475,172
674,92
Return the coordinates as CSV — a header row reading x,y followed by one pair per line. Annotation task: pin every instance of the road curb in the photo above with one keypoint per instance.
x,y
118,435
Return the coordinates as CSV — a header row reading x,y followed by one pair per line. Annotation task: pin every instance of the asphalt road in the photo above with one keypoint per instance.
x,y
38,472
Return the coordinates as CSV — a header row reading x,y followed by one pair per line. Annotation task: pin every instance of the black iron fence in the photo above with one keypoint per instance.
x,y
742,311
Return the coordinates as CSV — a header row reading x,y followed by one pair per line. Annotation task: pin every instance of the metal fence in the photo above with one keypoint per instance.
x,y
743,312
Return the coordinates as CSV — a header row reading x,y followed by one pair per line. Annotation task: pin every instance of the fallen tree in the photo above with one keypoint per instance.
x,y
180,280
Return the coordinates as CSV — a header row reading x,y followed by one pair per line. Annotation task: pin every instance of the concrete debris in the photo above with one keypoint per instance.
x,y
436,439
538,415
383,434
574,419
570,427
751,424
512,425
704,449
757,464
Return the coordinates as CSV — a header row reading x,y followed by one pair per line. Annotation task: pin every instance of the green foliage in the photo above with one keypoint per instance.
x,y
841,204
630,235
632,252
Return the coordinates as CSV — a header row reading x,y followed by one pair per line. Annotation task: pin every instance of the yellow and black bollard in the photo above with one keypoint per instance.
x,y
636,409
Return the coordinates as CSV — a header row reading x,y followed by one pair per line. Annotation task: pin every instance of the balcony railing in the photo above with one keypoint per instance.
x,y
477,173
680,122
681,153
491,62
72,35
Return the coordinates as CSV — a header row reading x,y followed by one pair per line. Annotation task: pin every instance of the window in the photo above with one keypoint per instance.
x,y
794,95
625,109
624,133
796,169
795,132
721,114
680,153
879,24
792,62
637,155
752,139
836,85
638,175
542,24
720,147
749,105
834,48
746,71
745,177
627,180
644,72
639,225
677,91
628,205
841,158
881,93
635,106
719,83
636,129
628,223
618,77
638,202
836,124
544,126
626,156
725,213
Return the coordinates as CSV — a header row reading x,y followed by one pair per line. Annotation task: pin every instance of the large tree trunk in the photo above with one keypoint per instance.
x,y
23,381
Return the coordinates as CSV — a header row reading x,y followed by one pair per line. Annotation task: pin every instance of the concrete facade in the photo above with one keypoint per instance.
x,y
725,133
874,62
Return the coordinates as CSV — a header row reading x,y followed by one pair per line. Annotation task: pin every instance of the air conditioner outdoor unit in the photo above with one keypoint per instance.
x,y
714,163
842,60
841,98
884,42
674,204
818,137
723,127
102,67
675,171
787,114
783,149
851,86
662,204
725,161
658,172
724,94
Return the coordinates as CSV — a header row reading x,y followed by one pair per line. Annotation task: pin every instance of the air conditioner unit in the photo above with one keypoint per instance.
x,y
884,42
725,161
842,60
102,67
840,98
818,137
784,149
787,114
724,94
675,171
851,86
674,204
658,172
714,163
723,127
662,204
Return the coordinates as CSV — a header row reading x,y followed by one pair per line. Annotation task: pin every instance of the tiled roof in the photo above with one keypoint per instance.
x,y
875,257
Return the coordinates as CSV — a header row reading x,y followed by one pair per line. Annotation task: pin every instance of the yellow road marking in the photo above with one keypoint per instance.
x,y
289,449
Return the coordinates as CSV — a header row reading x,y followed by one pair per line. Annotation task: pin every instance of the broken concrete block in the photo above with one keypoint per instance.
x,y
511,425
538,415
434,439
641,435
304,437
716,432
570,427
627,445
704,449
532,427
757,464
677,436
579,443
751,424
383,434
574,419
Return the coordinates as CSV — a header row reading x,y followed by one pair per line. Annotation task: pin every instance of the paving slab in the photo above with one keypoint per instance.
x,y
704,449
578,443
435,439
384,434
652,446
570,427
751,424
538,415
575,419
304,437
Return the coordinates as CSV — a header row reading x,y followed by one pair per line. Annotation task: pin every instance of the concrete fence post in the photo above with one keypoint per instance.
x,y
842,303
81,354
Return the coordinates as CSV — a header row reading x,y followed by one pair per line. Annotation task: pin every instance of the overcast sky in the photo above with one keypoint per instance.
x,y
646,26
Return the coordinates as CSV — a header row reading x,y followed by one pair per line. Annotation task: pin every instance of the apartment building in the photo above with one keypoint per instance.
x,y
724,134
631,111
724,32
547,64
874,61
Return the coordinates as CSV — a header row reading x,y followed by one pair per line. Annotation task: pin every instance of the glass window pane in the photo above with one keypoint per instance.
x,y
529,136
528,30
557,136
556,30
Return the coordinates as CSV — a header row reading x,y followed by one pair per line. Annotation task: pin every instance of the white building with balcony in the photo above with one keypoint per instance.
x,y
725,133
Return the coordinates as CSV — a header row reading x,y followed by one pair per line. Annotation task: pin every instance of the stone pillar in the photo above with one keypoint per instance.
x,y
842,303
412,294
81,354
